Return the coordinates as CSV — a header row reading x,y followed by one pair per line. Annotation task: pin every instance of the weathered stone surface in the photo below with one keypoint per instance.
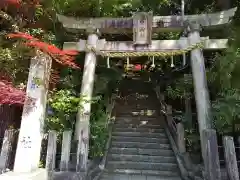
x,y
162,23
140,149
32,123
39,174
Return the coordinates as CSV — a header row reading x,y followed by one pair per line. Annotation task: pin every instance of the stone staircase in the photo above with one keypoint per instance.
x,y
140,149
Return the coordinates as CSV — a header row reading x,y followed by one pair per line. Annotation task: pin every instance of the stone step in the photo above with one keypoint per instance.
x,y
136,118
141,151
140,139
133,100
138,126
136,106
114,176
138,121
138,129
143,172
142,165
141,158
124,144
140,134
136,113
131,95
129,114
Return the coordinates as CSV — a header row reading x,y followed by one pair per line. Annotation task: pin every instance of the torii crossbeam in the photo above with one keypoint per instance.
x,y
157,45
159,23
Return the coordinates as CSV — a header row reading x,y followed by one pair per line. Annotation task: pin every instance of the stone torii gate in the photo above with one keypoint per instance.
x,y
142,25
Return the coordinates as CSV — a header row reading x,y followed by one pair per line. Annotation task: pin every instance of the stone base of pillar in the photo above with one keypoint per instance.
x,y
39,174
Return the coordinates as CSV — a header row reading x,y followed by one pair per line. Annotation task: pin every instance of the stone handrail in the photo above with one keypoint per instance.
x,y
167,111
175,133
109,124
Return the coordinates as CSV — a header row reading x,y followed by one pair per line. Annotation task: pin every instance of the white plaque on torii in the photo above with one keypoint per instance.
x,y
142,28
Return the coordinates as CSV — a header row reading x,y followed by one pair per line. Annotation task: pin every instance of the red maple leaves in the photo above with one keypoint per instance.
x,y
9,94
26,10
64,57
18,3
15,3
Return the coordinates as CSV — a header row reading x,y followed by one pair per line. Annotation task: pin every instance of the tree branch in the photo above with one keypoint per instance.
x,y
9,18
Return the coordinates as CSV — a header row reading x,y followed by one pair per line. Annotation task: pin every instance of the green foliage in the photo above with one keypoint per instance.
x,y
64,106
113,8
65,103
225,78
226,110
106,80
222,75
181,88
99,131
192,140
105,83
224,86
14,60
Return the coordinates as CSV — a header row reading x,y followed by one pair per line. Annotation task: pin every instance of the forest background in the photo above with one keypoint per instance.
x,y
37,18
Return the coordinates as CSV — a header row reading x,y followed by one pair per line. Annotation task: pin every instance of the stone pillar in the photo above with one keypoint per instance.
x,y
200,84
83,116
31,130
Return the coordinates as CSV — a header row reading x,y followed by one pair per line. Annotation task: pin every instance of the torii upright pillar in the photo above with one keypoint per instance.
x,y
83,116
200,86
